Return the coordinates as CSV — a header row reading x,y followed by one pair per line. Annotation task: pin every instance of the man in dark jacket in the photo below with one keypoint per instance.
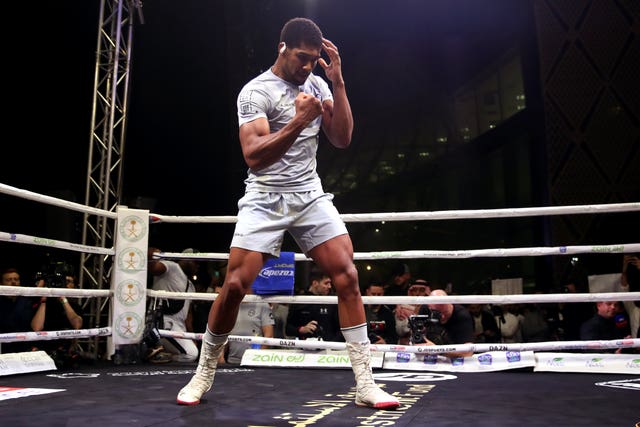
x,y
602,326
315,320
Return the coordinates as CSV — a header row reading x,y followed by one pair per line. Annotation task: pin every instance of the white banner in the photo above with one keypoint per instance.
x,y
609,363
129,279
27,361
304,359
481,362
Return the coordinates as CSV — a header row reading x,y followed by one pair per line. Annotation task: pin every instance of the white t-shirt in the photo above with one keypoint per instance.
x,y
174,280
270,97
510,329
251,318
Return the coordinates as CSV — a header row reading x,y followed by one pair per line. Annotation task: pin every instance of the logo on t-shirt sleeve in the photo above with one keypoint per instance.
x,y
246,106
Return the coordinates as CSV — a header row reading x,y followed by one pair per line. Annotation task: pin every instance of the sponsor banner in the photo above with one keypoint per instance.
x,y
14,392
481,362
304,359
607,363
277,276
28,361
129,280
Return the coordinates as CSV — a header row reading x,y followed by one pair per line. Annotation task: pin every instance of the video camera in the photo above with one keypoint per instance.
x,y
55,274
376,329
426,327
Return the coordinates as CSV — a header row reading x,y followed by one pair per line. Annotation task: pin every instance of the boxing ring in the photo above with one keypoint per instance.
x,y
145,396
501,384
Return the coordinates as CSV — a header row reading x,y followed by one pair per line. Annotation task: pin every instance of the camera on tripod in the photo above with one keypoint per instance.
x,y
55,274
425,326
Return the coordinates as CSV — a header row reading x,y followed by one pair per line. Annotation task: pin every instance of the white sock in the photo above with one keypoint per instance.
x,y
212,338
357,333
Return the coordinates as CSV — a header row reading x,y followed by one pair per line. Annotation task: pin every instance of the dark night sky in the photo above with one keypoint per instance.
x,y
181,146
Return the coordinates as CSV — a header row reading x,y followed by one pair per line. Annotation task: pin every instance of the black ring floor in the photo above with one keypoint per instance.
x,y
144,395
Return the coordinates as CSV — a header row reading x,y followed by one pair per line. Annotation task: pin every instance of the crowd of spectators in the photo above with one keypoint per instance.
x,y
387,324
37,314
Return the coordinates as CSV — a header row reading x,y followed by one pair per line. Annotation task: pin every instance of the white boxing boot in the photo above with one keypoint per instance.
x,y
367,392
202,380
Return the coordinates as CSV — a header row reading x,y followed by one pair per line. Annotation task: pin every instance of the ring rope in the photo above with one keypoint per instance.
x,y
414,254
366,217
459,254
393,300
32,291
430,349
330,345
54,335
492,213
41,241
332,299
434,215
29,195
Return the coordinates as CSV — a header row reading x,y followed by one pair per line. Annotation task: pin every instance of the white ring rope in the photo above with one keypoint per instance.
x,y
54,335
25,194
423,349
393,216
41,241
492,213
332,299
33,291
449,299
437,215
459,254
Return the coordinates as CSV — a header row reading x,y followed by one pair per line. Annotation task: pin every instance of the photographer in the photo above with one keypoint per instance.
x,y
402,312
57,313
445,324
16,312
381,322
318,321
174,276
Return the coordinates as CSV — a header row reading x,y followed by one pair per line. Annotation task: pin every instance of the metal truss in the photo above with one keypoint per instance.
x,y
107,141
